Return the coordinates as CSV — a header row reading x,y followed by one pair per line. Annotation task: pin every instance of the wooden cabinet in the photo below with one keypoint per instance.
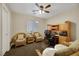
x,y
55,27
68,25
62,39
68,29
63,27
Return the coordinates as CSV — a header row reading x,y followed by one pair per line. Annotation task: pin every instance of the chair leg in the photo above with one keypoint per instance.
x,y
38,52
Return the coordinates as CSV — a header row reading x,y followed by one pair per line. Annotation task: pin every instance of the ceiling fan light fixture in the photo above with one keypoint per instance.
x,y
43,12
40,12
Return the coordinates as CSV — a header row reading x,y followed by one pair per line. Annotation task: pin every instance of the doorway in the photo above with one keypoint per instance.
x,y
5,29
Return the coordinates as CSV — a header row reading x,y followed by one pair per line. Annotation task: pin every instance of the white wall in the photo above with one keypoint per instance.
x,y
0,31
71,15
20,21
5,29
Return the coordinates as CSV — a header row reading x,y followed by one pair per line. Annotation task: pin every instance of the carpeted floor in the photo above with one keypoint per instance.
x,y
28,50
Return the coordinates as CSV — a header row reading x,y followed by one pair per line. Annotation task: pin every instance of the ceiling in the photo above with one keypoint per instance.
x,y
27,8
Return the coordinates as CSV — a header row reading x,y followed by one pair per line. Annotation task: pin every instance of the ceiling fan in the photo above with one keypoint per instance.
x,y
42,8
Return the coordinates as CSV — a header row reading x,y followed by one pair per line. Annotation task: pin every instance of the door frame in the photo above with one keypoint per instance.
x,y
8,12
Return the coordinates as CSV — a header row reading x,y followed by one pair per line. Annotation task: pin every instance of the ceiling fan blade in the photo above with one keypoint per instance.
x,y
46,11
40,7
37,5
35,10
48,6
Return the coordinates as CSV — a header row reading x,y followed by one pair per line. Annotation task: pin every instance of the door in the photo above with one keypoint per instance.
x,y
5,30
0,31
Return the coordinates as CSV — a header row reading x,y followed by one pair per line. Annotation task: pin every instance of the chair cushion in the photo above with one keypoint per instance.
x,y
60,46
20,40
75,45
20,36
64,52
29,35
37,34
49,52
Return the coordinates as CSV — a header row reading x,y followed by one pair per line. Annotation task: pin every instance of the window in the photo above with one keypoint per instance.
x,y
32,26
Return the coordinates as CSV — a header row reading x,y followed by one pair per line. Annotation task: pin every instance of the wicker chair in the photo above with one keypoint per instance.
x,y
19,39
38,37
30,38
